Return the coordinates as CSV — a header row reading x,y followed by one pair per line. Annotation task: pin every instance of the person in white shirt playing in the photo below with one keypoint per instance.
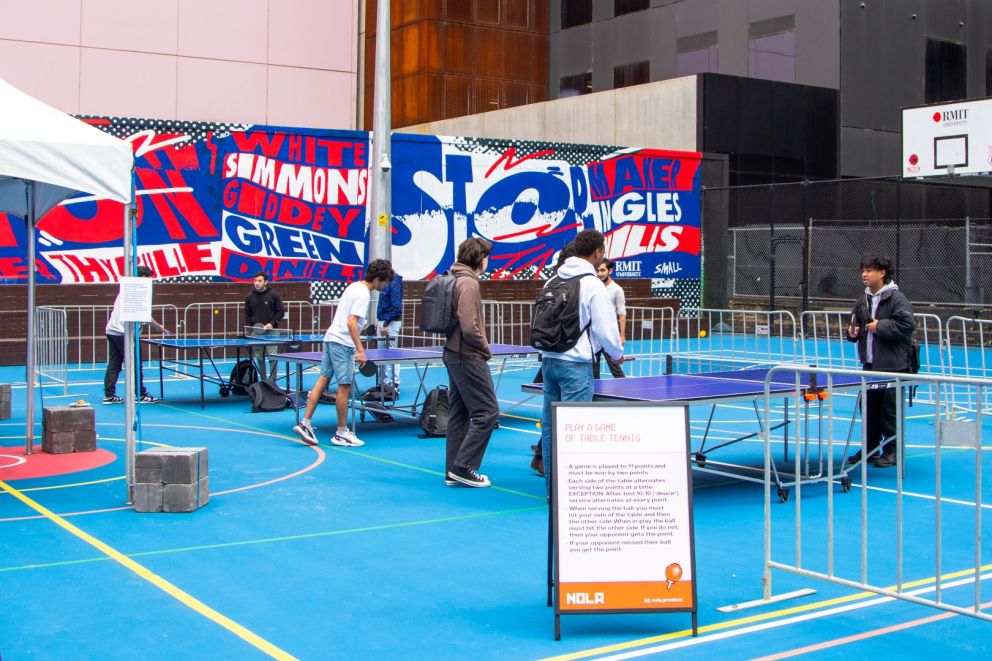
x,y
619,302
342,349
568,376
115,352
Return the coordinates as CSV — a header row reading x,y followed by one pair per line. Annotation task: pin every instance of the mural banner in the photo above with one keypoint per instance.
x,y
218,202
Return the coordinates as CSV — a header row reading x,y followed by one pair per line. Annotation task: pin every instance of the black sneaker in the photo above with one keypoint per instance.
x,y
148,398
113,399
468,477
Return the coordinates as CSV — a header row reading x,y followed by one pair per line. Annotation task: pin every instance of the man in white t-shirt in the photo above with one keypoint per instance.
x,y
342,348
619,303
115,352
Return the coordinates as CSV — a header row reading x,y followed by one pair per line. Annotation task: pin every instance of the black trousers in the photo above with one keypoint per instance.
x,y
472,410
881,419
616,369
115,360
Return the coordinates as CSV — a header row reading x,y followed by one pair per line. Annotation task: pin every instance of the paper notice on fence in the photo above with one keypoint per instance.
x,y
623,508
136,299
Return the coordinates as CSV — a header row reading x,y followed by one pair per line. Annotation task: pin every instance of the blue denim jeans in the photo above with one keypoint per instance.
x,y
564,381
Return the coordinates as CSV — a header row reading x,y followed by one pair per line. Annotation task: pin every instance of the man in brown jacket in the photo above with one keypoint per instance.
x,y
472,406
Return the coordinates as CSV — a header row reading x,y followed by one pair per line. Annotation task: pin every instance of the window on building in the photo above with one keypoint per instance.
x,y
635,73
575,12
771,49
621,7
945,71
696,54
988,72
576,85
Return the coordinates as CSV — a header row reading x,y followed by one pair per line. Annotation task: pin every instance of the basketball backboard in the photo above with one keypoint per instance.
x,y
947,139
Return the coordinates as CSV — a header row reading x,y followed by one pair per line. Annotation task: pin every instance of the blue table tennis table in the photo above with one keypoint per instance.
x,y
205,367
729,386
420,358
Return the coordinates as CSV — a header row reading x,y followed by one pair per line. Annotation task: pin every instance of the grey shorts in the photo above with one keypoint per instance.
x,y
338,363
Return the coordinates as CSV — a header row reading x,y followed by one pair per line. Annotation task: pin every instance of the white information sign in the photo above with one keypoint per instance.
x,y
623,508
136,299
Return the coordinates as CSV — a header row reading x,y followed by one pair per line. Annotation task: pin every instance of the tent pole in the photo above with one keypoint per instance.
x,y
29,192
130,355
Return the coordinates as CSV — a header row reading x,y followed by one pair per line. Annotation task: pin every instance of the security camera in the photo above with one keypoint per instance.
x,y
384,163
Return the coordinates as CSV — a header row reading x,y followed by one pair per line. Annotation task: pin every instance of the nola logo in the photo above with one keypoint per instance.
x,y
951,117
584,598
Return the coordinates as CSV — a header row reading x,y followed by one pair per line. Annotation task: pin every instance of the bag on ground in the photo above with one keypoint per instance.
x,y
243,374
384,393
436,314
555,323
267,396
434,414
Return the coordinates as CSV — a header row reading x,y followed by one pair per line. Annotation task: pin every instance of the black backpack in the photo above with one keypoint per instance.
x,y
386,392
436,314
267,396
554,324
434,414
243,374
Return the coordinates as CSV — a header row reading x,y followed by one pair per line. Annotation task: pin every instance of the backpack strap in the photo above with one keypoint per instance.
x,y
586,329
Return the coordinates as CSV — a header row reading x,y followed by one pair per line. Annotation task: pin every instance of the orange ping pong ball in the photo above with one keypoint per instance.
x,y
702,333
673,573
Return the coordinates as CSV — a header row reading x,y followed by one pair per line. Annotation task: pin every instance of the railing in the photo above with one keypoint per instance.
x,y
973,337
838,551
51,346
651,334
86,332
752,335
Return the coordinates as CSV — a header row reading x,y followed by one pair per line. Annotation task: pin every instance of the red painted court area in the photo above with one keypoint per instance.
x,y
16,465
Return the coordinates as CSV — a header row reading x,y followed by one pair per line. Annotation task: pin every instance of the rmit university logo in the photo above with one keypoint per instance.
x,y
959,115
584,598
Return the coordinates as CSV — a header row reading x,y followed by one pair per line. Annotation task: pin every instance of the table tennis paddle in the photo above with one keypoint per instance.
x,y
369,368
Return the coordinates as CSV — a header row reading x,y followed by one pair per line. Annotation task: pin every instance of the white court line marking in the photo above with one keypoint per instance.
x,y
17,460
767,626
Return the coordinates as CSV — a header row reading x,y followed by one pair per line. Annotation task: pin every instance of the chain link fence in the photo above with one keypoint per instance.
x,y
804,241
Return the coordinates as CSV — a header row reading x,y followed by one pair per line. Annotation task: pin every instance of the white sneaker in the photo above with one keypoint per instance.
x,y
306,433
347,439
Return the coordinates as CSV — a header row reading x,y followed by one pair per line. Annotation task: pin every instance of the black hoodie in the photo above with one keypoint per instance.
x,y
264,307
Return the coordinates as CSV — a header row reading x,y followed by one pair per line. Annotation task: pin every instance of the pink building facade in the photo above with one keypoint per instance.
x,y
275,62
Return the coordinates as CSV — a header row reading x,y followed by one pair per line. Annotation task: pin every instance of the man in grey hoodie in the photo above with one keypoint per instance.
x,y
472,406
882,323
568,376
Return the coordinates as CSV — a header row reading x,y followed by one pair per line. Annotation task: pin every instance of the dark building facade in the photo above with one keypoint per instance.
x,y
881,55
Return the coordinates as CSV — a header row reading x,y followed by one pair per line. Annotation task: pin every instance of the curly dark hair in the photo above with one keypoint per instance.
x,y
379,269
878,263
587,242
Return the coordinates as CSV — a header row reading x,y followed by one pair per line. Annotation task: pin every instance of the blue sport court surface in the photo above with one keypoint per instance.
x,y
337,553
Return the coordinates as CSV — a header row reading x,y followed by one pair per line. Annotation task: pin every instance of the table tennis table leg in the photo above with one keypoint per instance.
x,y
202,393
161,379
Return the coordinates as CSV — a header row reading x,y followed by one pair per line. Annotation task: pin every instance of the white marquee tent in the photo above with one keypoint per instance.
x,y
46,156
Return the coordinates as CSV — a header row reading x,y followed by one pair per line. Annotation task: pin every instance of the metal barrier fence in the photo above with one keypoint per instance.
x,y
814,548
51,346
973,359
751,335
85,332
823,340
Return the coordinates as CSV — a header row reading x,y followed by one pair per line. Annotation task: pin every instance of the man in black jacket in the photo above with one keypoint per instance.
x,y
263,310
882,324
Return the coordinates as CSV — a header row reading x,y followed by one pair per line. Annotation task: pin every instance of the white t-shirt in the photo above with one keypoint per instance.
x,y
114,325
354,301
619,301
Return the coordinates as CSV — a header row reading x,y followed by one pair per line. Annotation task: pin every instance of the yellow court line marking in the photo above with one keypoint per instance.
x,y
730,624
862,636
185,598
